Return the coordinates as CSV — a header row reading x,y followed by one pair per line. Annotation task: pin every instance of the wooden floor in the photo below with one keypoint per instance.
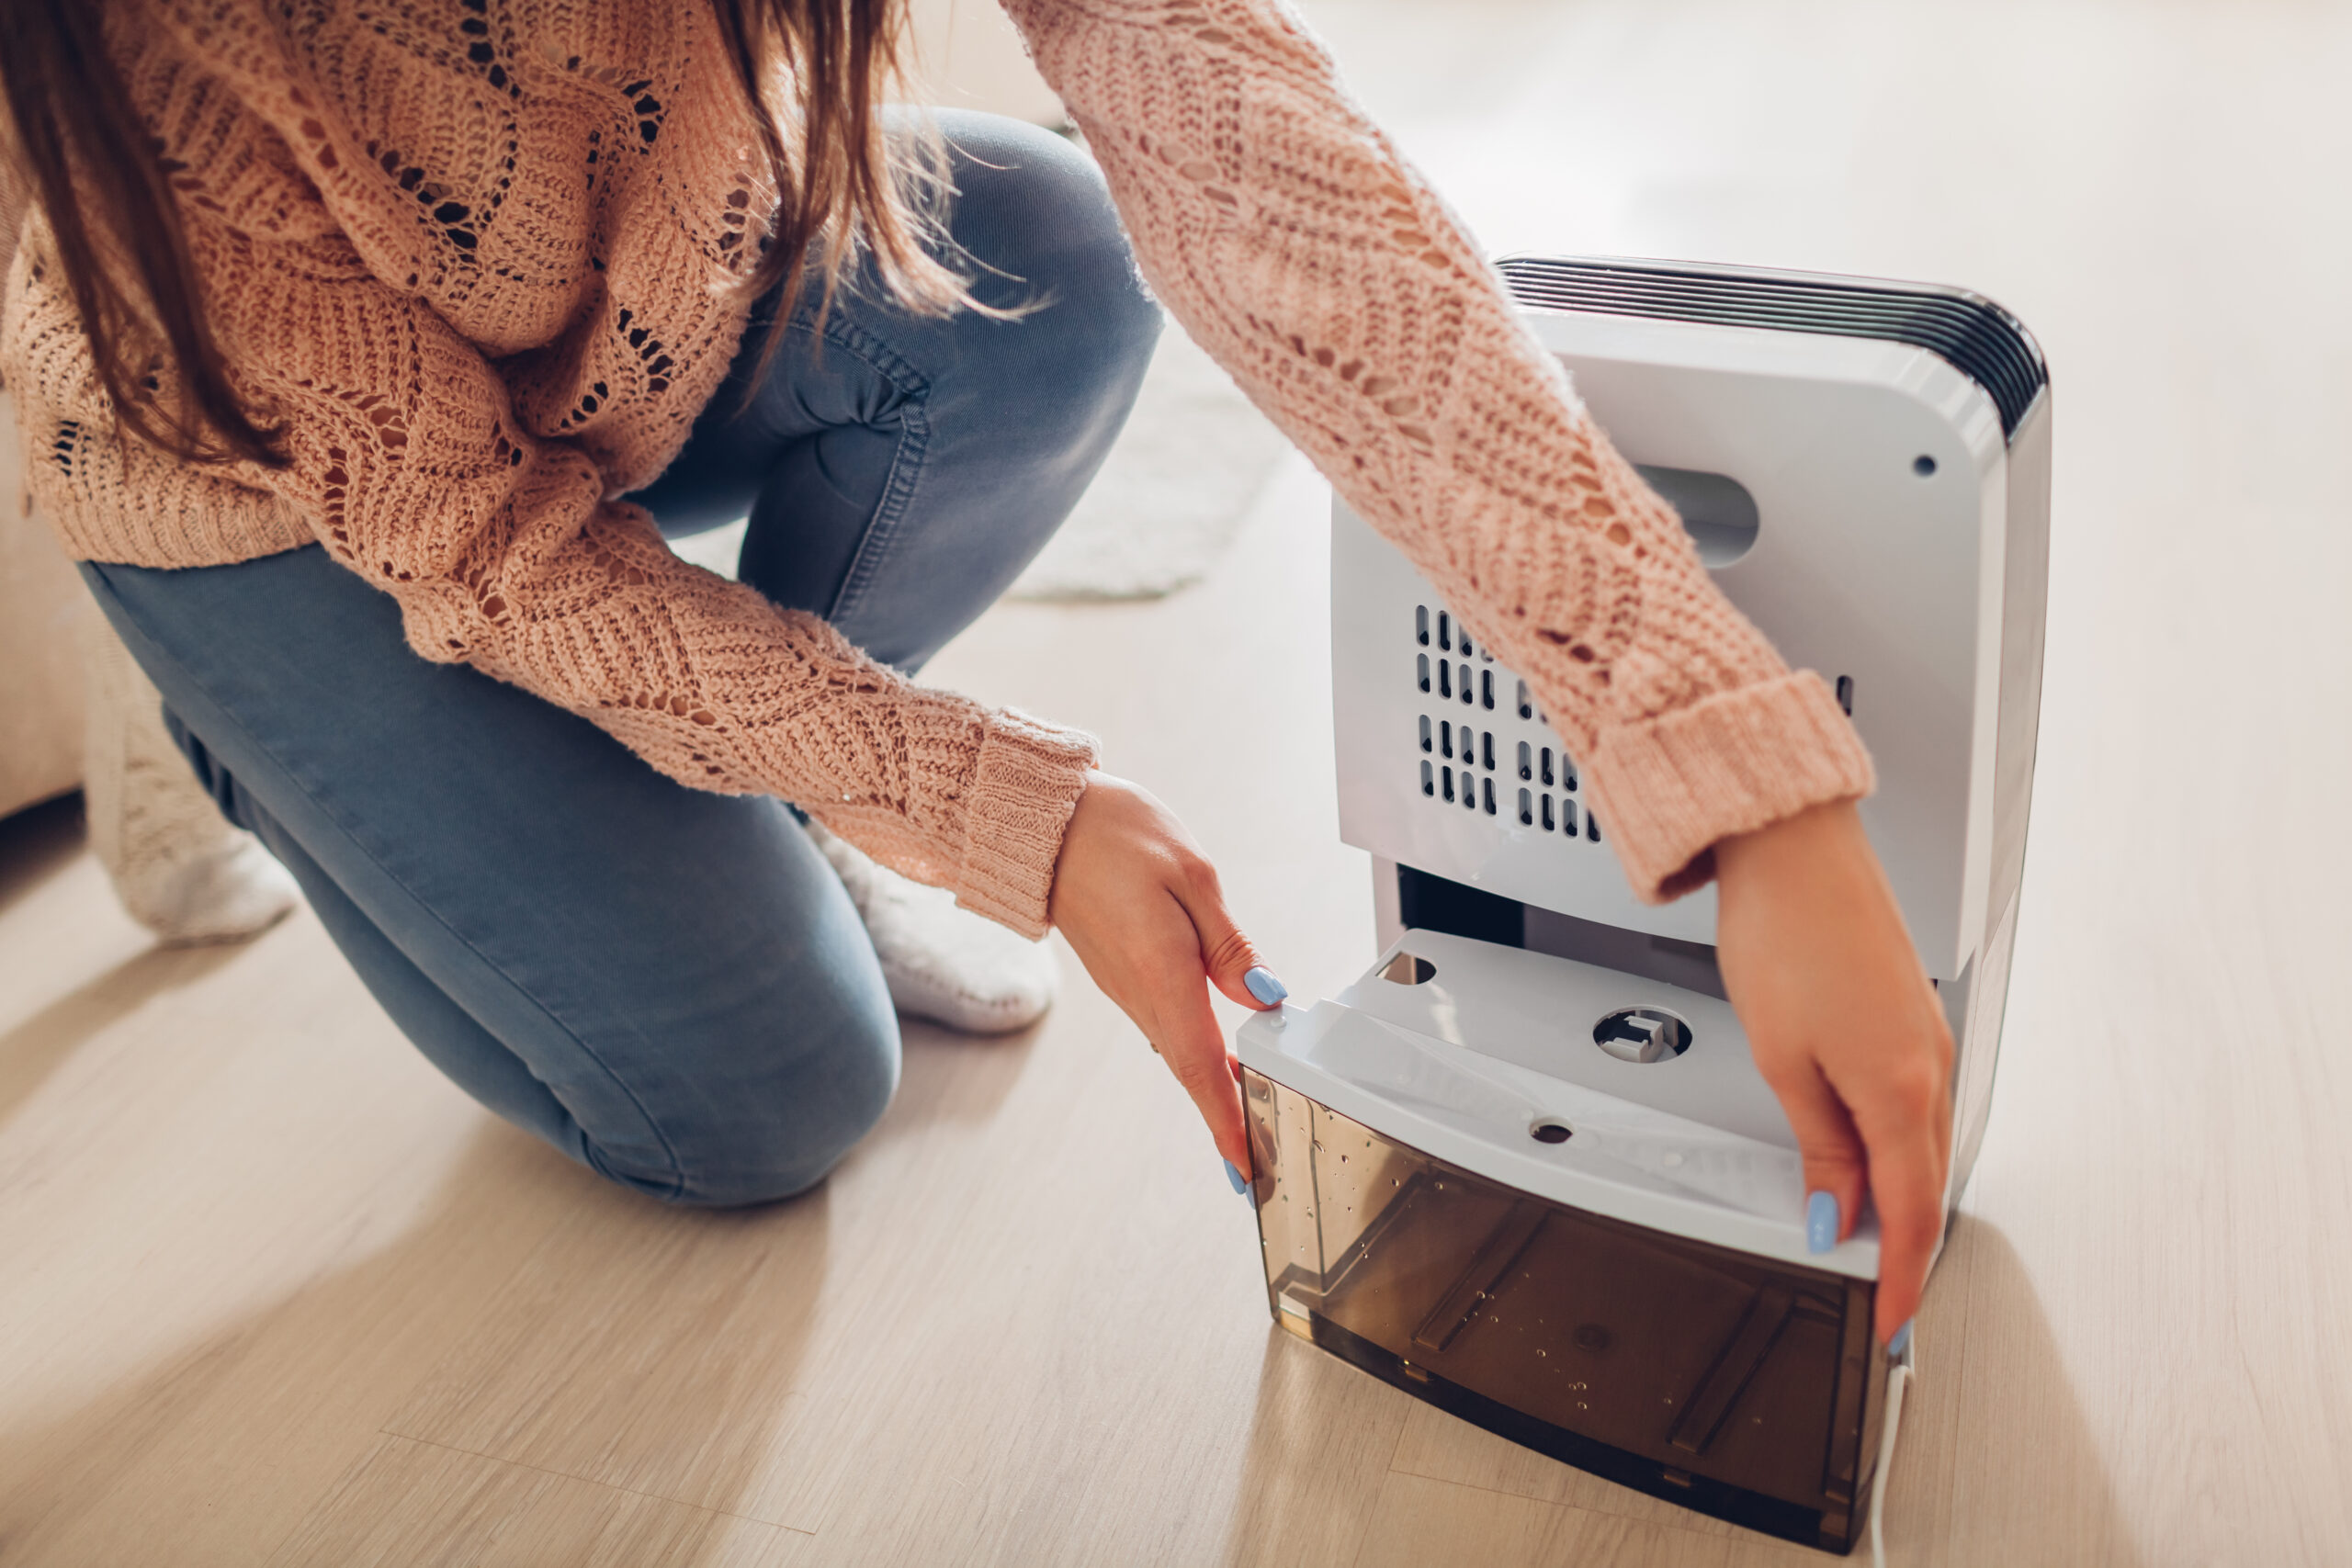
x,y
271,1292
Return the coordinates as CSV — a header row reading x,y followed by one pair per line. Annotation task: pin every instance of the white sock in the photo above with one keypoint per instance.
x,y
178,867
944,963
229,891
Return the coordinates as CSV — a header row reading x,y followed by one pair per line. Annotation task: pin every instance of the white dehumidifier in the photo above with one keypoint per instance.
x,y
1525,1168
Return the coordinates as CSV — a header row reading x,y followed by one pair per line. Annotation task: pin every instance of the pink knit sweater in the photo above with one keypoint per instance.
x,y
476,257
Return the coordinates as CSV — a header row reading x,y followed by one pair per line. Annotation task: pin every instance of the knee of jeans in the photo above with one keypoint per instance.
x,y
1035,211
779,1147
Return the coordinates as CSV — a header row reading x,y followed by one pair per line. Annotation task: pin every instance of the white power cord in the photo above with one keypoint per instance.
x,y
1898,1379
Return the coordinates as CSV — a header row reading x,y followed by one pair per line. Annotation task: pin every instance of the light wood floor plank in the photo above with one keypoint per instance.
x,y
1425,1523
410,1504
238,1237
1321,1446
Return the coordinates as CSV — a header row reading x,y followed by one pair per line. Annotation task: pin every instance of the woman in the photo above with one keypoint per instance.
x,y
340,335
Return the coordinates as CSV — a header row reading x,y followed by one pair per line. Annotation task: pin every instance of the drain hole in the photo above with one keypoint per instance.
x,y
1642,1034
1425,670
1526,709
1429,781
1486,749
1549,1131
1486,688
1425,732
1444,630
1846,694
1422,624
1526,809
1408,969
1444,675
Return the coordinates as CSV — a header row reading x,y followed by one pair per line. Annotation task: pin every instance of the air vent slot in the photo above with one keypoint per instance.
x,y
1536,798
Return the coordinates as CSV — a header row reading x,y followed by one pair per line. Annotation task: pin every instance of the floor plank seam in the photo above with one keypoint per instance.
x,y
592,1481
1363,1541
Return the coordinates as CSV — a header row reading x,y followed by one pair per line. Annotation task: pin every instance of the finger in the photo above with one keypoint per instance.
x,y
1197,1057
1899,1130
1193,1047
1836,1167
1230,958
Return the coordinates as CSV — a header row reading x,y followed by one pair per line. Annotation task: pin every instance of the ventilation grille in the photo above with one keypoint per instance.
x,y
1481,746
1976,337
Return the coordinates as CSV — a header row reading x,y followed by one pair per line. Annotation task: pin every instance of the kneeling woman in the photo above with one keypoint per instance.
x,y
366,356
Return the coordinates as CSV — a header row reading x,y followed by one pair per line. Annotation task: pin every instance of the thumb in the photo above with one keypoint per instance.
x,y
1837,1167
1230,958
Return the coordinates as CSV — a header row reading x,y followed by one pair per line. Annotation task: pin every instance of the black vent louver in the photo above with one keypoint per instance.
x,y
1968,331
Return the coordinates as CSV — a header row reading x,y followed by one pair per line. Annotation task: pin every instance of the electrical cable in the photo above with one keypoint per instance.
x,y
1898,1379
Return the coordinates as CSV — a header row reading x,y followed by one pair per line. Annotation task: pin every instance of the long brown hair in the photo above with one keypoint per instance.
x,y
819,69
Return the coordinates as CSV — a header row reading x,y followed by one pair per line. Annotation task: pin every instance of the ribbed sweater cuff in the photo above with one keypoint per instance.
x,y
1668,789
1026,783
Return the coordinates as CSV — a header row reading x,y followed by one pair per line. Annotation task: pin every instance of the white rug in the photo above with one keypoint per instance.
x,y
1166,506
1194,457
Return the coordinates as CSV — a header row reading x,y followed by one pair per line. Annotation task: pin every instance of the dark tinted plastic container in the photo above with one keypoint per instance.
x,y
1740,1387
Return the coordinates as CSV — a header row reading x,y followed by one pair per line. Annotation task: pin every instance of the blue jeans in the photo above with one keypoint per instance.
x,y
668,985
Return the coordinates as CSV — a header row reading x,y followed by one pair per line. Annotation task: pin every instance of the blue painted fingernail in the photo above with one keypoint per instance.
x,y
1821,1221
1233,1174
1264,986
1900,1346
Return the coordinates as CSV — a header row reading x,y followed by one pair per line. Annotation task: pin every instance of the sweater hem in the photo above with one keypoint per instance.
x,y
232,545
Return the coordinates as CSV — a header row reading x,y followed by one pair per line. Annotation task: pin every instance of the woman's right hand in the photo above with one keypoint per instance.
x,y
1847,1029
1141,908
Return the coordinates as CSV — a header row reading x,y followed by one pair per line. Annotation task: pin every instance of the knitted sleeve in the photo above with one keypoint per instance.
x,y
409,464
1280,226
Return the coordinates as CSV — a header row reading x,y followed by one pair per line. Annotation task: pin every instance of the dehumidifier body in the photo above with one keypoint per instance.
x,y
1525,1168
